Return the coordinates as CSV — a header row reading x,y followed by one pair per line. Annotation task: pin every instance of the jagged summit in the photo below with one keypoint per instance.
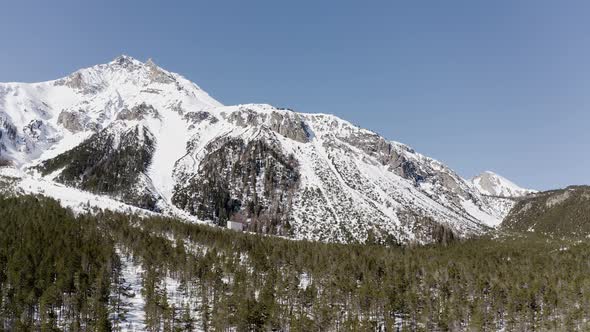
x,y
125,61
144,136
492,184
38,117
128,63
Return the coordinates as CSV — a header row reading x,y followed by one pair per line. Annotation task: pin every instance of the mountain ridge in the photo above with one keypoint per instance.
x,y
312,176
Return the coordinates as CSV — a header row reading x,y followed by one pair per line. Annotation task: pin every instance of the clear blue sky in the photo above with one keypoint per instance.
x,y
479,85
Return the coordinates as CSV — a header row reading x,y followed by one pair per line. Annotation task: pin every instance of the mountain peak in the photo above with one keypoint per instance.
x,y
122,70
124,60
129,62
492,184
178,151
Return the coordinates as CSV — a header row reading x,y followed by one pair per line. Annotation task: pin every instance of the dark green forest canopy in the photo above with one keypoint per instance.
x,y
58,271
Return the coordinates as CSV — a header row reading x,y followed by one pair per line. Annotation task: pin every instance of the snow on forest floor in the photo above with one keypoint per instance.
x,y
129,302
132,301
80,201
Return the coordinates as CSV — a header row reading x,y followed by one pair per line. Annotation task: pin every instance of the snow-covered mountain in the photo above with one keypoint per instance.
x,y
492,184
138,134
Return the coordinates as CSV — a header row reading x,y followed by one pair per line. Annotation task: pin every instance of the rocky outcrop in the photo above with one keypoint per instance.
x,y
285,123
7,130
157,75
72,121
139,112
405,162
77,121
26,140
34,129
195,118
76,81
290,125
388,153
126,62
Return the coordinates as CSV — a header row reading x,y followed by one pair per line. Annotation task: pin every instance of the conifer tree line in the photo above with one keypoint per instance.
x,y
64,272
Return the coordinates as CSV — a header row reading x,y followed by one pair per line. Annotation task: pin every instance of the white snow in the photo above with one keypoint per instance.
x,y
478,214
492,184
78,200
344,190
135,303
304,280
170,146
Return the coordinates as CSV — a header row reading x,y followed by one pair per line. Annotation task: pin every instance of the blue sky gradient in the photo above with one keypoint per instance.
x,y
479,85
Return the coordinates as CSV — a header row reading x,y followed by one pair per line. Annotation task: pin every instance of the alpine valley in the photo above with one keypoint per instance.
x,y
131,136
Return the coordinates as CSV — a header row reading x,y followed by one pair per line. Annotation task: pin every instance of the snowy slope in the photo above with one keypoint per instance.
x,y
492,184
33,116
79,201
308,176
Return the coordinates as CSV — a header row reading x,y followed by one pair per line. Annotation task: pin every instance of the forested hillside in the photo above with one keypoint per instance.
x,y
563,212
116,272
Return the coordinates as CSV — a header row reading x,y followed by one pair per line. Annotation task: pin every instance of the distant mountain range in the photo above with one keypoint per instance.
x,y
131,136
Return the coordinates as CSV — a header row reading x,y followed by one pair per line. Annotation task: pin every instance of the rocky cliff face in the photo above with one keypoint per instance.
x,y
153,139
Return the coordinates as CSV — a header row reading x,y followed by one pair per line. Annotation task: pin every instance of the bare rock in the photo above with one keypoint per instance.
x,y
138,112
72,121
